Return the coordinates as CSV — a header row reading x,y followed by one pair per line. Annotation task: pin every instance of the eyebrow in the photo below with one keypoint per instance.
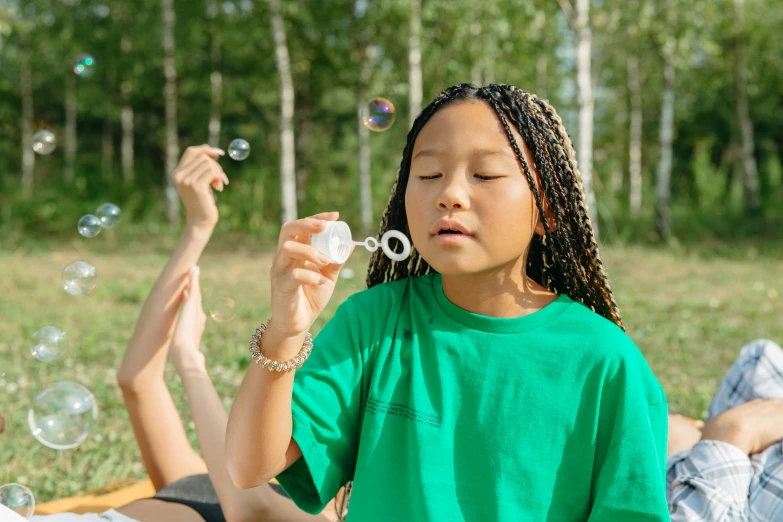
x,y
477,152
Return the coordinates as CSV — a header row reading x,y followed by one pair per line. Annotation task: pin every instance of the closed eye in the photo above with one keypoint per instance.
x,y
484,178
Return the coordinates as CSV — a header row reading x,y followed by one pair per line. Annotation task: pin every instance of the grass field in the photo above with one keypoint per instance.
x,y
689,313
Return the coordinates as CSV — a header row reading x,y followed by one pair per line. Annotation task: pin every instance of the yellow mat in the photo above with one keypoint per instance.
x,y
113,495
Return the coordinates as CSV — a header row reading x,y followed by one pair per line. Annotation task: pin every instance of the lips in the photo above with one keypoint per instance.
x,y
455,227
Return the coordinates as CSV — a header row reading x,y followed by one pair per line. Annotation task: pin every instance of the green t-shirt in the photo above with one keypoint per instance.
x,y
437,413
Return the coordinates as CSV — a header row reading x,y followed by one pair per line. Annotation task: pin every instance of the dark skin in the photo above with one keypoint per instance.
x,y
463,168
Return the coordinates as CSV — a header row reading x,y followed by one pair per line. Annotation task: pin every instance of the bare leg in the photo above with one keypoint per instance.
x,y
165,449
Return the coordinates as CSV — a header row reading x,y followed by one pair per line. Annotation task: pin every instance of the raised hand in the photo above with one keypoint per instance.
x,y
302,278
196,173
184,351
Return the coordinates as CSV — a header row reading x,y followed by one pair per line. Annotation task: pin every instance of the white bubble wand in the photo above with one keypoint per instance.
x,y
335,242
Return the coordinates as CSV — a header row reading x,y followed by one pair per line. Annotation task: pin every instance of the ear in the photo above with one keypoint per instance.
x,y
550,220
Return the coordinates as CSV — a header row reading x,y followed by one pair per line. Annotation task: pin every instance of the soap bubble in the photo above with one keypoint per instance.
x,y
44,142
84,65
239,149
109,214
89,226
346,273
223,310
19,499
378,114
48,343
79,278
62,415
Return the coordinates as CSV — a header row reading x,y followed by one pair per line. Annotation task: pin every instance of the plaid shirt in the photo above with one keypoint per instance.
x,y
715,481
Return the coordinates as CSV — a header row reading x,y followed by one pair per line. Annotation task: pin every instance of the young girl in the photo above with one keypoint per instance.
x,y
488,377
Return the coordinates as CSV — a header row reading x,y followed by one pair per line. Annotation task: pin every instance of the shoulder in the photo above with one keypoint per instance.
x,y
611,349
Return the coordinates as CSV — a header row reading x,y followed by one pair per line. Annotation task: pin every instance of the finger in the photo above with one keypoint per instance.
x,y
294,251
304,227
193,178
184,172
297,277
213,176
699,424
195,282
332,270
194,152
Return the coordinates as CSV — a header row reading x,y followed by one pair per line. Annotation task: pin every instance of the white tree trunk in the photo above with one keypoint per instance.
x,y
107,149
216,84
541,76
414,63
635,140
287,150
662,189
616,180
751,177
69,144
586,103
28,156
365,173
126,147
170,92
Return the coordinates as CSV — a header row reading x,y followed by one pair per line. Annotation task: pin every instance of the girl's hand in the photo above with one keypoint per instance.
x,y
684,433
185,350
300,287
196,173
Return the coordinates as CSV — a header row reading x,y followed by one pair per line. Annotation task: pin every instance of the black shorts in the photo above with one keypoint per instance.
x,y
197,492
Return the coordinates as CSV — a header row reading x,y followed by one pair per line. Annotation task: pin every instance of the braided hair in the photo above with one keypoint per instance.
x,y
563,260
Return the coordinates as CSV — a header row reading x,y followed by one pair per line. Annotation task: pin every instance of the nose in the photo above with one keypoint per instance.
x,y
453,194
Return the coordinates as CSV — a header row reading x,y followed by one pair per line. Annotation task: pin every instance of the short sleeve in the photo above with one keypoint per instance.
x,y
631,485
326,408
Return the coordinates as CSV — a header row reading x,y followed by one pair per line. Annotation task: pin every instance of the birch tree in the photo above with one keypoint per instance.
x,y
170,94
287,145
579,18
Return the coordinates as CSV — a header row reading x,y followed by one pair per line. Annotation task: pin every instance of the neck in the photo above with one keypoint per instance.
x,y
503,292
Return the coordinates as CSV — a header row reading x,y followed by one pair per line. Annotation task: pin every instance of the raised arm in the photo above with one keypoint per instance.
x,y
146,355
258,438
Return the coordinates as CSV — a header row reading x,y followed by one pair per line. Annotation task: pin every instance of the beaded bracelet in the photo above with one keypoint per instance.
x,y
274,366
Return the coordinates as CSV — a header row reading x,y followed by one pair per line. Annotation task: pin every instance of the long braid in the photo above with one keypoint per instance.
x,y
565,259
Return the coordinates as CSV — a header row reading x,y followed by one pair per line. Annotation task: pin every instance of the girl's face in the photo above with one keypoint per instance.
x,y
464,169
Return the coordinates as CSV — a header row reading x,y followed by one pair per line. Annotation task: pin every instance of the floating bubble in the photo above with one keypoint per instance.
x,y
19,499
44,142
63,415
346,273
378,114
239,149
109,214
89,225
79,278
84,66
48,344
223,310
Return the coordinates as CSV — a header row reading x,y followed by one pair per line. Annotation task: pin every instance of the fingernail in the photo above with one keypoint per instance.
x,y
324,259
219,151
322,279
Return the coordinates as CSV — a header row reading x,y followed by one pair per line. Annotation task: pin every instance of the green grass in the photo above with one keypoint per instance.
x,y
689,312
